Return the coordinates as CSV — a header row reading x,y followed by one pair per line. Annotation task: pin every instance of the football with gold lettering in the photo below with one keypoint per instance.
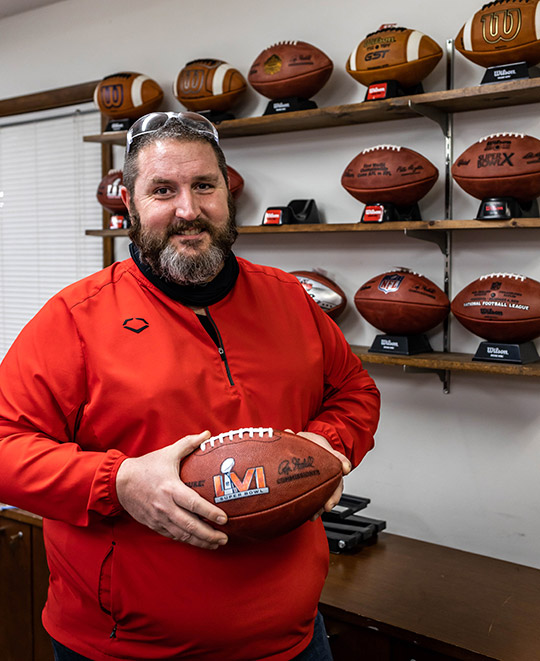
x,y
500,165
268,482
500,307
394,53
290,68
502,32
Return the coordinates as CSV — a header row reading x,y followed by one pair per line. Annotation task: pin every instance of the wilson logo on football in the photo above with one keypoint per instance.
x,y
228,486
390,283
112,96
503,25
192,81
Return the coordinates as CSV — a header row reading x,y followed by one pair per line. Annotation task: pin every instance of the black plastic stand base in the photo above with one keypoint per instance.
x,y
511,71
402,345
289,104
388,212
216,116
297,212
346,530
504,208
389,89
500,352
119,125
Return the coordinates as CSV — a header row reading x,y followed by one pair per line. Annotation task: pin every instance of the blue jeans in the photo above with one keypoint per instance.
x,y
317,650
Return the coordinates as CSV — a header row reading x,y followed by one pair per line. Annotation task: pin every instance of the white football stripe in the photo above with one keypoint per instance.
x,y
413,45
219,77
467,28
352,59
136,90
537,20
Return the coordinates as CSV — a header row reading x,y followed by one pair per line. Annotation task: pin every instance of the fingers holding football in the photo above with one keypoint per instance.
x,y
149,488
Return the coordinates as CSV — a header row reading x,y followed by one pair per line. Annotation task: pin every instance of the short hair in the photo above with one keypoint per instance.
x,y
173,129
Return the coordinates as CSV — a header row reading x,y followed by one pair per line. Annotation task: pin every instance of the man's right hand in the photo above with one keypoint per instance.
x,y
149,488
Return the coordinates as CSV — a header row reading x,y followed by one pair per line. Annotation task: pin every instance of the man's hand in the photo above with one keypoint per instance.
x,y
345,467
149,488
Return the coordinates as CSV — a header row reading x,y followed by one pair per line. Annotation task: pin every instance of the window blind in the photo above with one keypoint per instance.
x,y
48,183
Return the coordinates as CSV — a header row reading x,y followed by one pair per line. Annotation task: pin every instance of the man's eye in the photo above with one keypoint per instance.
x,y
203,186
163,190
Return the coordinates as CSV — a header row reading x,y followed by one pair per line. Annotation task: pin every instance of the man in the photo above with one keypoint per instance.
x,y
183,337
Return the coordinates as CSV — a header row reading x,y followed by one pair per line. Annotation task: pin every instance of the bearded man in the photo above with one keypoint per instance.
x,y
181,341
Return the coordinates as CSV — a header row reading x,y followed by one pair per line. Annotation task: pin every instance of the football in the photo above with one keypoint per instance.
x,y
268,482
288,69
394,53
500,307
387,173
127,95
500,165
236,182
402,302
326,293
209,84
502,32
108,192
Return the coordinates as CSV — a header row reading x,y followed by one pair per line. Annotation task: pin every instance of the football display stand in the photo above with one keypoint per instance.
x,y
402,345
297,212
512,71
389,89
348,531
119,125
500,352
119,222
381,213
289,104
504,208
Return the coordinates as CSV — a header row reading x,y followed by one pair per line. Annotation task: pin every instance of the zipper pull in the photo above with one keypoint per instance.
x,y
221,352
113,632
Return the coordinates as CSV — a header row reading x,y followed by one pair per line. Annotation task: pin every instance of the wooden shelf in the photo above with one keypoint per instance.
x,y
442,225
497,95
456,362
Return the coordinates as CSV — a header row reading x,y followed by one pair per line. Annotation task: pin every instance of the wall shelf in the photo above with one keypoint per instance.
x,y
450,361
430,225
447,101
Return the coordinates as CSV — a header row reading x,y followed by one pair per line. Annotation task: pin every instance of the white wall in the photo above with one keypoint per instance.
x,y
459,469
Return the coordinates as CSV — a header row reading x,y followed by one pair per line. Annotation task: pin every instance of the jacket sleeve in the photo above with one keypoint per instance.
x,y
42,396
349,414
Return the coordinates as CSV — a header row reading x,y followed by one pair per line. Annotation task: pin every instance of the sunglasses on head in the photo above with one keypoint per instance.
x,y
155,120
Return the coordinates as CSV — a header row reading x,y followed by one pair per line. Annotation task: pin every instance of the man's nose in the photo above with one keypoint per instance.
x,y
187,206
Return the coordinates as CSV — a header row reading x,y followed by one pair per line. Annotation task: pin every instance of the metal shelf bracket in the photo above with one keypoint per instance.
x,y
438,116
444,375
440,238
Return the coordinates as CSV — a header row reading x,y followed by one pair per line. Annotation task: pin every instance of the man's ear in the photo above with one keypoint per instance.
x,y
124,194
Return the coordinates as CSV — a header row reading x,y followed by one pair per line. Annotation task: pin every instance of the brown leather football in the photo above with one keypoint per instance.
x,y
268,482
209,84
394,53
502,32
402,302
500,165
290,68
387,173
108,192
500,307
127,95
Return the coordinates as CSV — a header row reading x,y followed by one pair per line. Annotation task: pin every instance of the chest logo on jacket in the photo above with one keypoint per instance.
x,y
135,324
228,486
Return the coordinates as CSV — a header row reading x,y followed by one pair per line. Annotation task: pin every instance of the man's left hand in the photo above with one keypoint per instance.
x,y
345,464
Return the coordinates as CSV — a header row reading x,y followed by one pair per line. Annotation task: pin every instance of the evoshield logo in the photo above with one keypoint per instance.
x,y
135,324
228,486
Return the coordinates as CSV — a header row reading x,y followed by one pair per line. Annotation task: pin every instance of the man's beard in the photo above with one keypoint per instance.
x,y
166,262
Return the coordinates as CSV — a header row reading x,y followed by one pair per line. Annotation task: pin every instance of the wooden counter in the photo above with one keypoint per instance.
x,y
408,599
